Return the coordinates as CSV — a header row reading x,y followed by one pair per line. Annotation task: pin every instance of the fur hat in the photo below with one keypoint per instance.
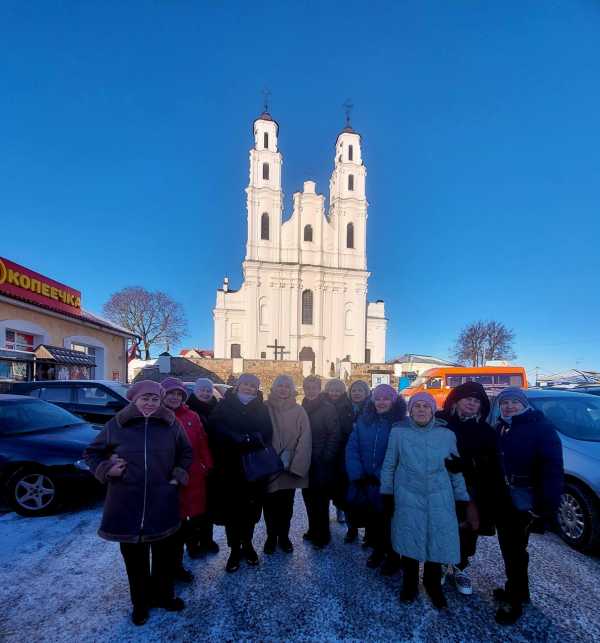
x,y
175,384
143,388
422,397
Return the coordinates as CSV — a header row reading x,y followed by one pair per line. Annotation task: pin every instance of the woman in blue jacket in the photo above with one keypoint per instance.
x,y
533,466
365,453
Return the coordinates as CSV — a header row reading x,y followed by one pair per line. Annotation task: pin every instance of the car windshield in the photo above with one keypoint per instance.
x,y
119,388
420,381
28,415
577,416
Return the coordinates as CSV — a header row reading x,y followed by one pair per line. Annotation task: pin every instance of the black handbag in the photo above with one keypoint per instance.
x,y
521,494
262,463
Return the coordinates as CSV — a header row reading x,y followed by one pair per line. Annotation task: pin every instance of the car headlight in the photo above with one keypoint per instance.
x,y
82,464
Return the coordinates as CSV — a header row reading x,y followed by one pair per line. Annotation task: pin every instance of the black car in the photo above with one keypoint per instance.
x,y
96,401
41,448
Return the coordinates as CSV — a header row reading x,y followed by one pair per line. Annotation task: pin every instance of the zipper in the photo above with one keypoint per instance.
x,y
145,472
375,446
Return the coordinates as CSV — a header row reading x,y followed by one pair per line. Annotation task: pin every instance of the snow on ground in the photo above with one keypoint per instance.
x,y
59,582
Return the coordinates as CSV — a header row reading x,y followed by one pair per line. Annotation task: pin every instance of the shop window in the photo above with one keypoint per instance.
x,y
88,350
307,307
17,341
14,371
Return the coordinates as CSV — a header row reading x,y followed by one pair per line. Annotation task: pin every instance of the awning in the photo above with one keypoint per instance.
x,y
17,356
64,356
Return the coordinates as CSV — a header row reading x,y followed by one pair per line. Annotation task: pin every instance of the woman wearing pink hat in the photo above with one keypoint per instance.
x,y
422,494
192,498
142,455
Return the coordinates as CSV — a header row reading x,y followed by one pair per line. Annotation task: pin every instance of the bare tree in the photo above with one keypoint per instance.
x,y
482,341
153,316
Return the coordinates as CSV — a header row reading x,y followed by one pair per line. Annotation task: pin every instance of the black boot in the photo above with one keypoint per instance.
x,y
184,575
375,559
209,547
270,545
172,604
249,553
140,615
391,565
410,580
509,615
351,535
233,564
500,594
432,580
285,544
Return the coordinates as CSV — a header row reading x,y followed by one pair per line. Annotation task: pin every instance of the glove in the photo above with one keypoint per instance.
x,y
388,504
454,464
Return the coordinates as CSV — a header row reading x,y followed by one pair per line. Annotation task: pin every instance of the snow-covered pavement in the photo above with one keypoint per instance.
x,y
59,582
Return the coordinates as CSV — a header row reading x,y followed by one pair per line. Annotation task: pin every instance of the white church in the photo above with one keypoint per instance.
x,y
305,279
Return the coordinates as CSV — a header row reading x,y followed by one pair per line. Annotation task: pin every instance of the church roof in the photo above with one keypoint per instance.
x,y
348,130
265,116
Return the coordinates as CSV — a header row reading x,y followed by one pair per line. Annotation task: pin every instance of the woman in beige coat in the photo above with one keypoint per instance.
x,y
292,441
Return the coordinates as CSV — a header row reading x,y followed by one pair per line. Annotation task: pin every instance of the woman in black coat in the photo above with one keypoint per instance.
x,y
326,440
203,402
239,424
465,412
533,467
142,454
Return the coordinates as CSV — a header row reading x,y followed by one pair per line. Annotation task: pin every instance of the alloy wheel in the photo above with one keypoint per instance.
x,y
35,491
571,517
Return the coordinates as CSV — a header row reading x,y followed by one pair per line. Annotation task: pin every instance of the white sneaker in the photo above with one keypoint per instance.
x,y
341,516
462,582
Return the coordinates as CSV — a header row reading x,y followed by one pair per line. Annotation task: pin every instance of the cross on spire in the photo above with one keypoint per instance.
x,y
348,105
266,92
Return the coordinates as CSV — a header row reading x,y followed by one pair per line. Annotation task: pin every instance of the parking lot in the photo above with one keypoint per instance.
x,y
60,582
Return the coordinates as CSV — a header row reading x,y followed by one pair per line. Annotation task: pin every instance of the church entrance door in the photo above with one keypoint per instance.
x,y
307,355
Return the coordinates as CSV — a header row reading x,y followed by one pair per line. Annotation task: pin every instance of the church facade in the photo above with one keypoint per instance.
x,y
305,279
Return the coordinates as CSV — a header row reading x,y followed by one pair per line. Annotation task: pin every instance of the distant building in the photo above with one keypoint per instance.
x,y
413,364
304,294
196,352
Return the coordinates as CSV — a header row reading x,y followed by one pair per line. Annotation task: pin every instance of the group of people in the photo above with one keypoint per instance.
x,y
423,483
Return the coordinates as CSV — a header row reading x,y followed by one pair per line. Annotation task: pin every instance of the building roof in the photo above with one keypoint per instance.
x,y
428,359
182,368
203,352
62,355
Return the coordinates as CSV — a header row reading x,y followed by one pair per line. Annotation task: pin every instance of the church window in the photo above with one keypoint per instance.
x,y
308,236
307,307
351,182
350,235
236,350
350,152
263,355
264,226
348,319
266,171
266,141
263,313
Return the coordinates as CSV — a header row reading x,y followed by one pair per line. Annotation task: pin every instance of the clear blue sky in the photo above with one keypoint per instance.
x,y
125,129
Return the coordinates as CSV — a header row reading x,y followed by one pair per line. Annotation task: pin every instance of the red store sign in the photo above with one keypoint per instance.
x,y
27,285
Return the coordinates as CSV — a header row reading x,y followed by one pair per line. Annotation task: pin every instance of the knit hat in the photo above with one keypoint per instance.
x,y
175,384
204,382
361,384
384,391
248,378
143,388
514,393
422,397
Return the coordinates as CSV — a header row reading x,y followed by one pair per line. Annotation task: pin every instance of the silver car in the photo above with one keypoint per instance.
x,y
576,417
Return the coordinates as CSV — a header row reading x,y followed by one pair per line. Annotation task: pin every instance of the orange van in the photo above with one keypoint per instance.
x,y
440,381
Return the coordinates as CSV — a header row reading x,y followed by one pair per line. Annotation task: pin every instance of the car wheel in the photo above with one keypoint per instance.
x,y
579,518
32,492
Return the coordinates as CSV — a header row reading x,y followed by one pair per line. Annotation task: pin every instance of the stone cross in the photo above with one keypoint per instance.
x,y
278,350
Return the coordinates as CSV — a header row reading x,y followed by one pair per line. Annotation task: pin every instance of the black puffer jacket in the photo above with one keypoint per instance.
x,y
237,428
478,447
203,409
326,441
141,505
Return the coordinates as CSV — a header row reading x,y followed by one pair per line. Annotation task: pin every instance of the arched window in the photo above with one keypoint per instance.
x,y
351,182
307,307
350,235
264,226
266,141
308,233
350,153
266,171
263,312
348,319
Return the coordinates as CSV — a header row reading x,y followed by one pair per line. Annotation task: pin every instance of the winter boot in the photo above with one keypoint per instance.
x,y
233,564
140,615
509,615
375,559
249,553
184,575
285,544
351,535
174,604
270,545
391,565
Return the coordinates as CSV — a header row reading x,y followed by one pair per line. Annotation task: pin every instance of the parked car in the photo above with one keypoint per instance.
x,y
41,448
576,417
590,389
96,401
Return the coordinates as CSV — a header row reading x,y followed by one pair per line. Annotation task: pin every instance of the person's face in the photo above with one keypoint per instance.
x,y
203,393
468,406
173,399
383,404
358,394
312,389
421,413
511,406
283,390
335,393
247,388
147,404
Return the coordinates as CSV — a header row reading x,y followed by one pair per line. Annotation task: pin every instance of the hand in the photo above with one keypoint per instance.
x,y
454,464
118,467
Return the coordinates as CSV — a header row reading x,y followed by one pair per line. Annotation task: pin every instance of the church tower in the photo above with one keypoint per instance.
x,y
264,196
348,202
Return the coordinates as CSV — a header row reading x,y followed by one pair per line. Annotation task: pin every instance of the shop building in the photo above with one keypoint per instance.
x,y
46,334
